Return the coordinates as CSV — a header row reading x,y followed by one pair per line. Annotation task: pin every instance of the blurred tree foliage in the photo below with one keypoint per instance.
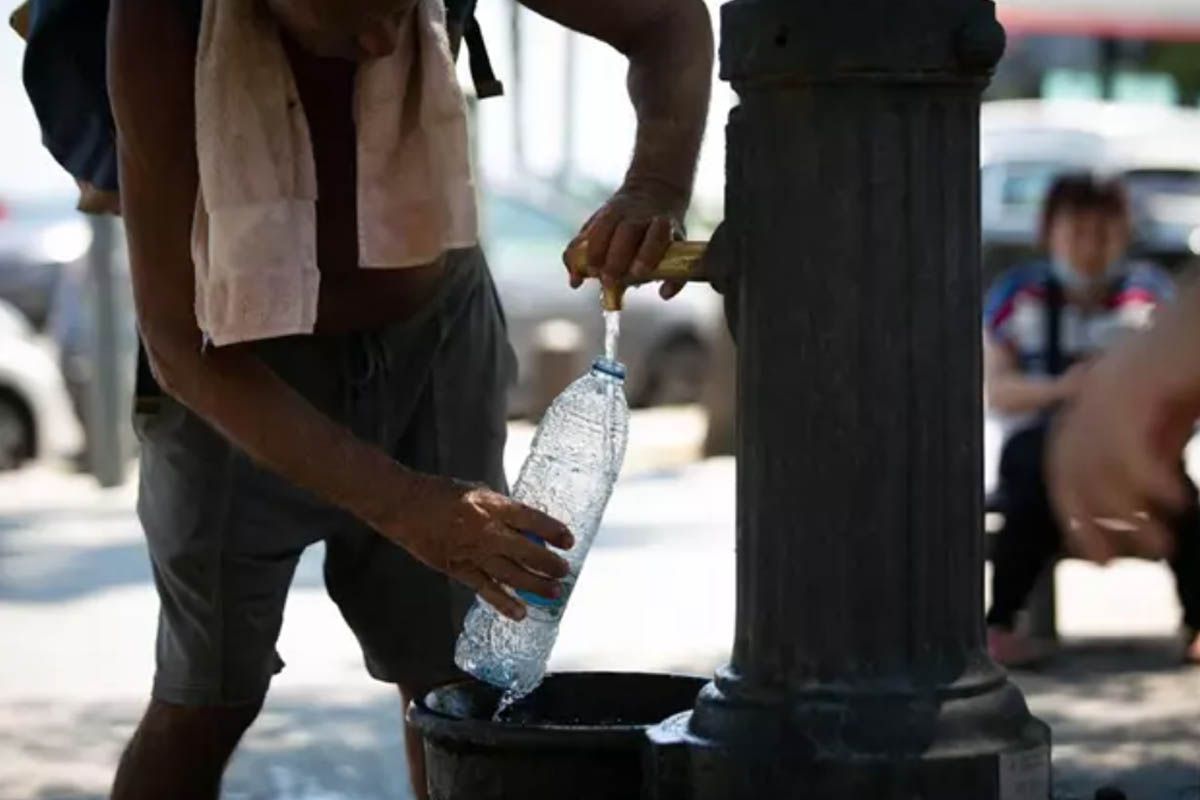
x,y
1181,60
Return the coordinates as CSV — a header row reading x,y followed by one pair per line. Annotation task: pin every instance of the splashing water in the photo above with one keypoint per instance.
x,y
507,700
612,331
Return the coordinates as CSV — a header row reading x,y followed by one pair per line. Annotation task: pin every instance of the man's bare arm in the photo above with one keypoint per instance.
x,y
463,530
669,44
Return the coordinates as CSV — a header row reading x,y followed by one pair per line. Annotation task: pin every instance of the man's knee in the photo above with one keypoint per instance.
x,y
219,725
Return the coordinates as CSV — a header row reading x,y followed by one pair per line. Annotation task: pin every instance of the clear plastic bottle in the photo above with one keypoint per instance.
x,y
569,474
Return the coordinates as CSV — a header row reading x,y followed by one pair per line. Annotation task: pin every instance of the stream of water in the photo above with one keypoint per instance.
x,y
612,331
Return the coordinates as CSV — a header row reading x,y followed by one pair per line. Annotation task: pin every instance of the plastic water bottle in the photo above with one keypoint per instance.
x,y
569,474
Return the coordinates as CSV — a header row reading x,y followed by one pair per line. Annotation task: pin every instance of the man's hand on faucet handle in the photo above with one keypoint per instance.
x,y
627,238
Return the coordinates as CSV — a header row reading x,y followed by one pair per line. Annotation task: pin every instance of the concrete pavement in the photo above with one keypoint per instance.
x,y
77,616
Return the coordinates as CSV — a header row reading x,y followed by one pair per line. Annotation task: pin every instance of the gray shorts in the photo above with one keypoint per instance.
x,y
225,534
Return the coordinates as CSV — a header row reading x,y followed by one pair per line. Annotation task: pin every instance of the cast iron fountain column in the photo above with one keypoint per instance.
x,y
859,670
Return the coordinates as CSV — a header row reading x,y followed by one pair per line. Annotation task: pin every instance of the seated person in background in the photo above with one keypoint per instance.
x,y
1043,323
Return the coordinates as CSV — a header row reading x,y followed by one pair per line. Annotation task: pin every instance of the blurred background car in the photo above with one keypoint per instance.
x,y
666,346
40,230
44,275
38,236
45,247
36,418
1026,143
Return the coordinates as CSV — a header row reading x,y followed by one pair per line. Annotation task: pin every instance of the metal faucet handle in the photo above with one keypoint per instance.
x,y
683,261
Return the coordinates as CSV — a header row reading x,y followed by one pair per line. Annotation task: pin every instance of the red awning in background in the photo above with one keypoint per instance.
x,y
1167,20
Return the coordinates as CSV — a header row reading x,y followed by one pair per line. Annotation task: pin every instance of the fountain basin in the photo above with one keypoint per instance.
x,y
580,736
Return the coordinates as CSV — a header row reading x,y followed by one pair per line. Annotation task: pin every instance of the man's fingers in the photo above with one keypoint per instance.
x,y
574,276
534,557
1099,468
1103,524
1076,517
575,279
1124,501
1157,480
1150,537
1088,541
623,248
654,246
599,233
670,288
541,525
512,574
494,594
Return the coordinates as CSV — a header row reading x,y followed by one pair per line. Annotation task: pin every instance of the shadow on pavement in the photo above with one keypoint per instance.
x,y
299,749
63,515
36,566
1124,712
60,573
306,748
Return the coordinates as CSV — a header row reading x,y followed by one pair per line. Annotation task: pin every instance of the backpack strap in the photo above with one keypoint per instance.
x,y
482,74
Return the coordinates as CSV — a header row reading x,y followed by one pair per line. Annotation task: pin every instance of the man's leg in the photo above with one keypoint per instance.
x,y
180,752
224,538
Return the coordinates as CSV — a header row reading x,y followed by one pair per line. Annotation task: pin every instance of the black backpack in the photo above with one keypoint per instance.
x,y
64,73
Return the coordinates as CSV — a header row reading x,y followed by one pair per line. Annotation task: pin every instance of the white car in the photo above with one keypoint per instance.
x,y
36,417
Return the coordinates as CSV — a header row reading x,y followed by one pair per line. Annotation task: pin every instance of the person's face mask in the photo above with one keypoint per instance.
x,y
1073,279
1086,246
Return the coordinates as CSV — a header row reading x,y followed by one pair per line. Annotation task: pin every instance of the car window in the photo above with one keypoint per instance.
x,y
1025,184
1011,195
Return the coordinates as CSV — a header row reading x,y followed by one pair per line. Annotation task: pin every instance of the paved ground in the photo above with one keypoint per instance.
x,y
77,615
1124,713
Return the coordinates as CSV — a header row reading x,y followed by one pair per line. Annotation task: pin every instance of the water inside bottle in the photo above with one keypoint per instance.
x,y
612,332
569,474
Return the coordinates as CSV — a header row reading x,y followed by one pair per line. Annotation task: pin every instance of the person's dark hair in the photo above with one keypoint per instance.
x,y
1083,192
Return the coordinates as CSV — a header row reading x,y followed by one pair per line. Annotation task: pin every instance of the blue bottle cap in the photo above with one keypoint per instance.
x,y
612,368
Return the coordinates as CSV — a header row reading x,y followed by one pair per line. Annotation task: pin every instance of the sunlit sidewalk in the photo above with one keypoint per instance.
x,y
77,615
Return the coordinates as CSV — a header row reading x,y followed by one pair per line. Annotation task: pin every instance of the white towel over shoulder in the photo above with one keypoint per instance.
x,y
254,233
